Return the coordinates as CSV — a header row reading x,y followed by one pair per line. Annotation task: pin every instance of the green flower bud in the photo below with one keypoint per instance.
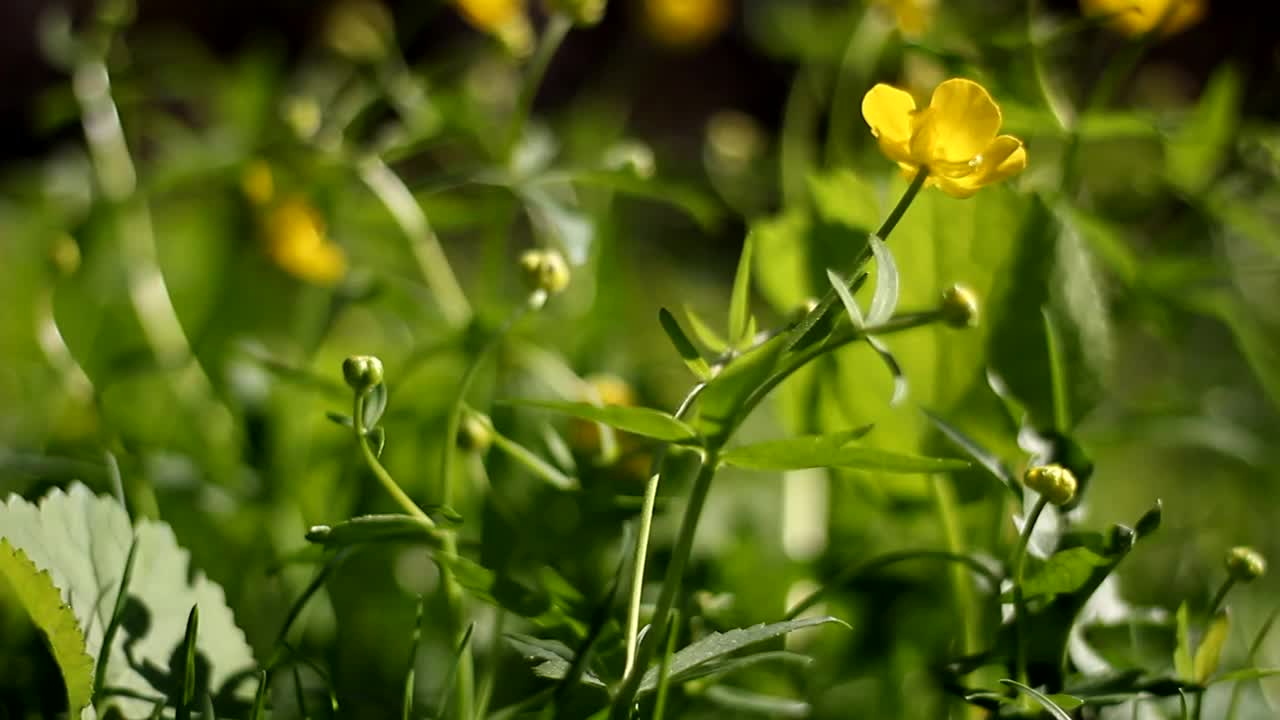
x,y
583,12
362,372
361,30
1245,564
475,433
959,307
1054,482
545,271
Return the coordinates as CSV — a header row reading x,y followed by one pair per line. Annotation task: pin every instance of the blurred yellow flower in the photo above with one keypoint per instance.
x,y
1138,17
911,16
507,20
296,242
954,139
685,23
257,183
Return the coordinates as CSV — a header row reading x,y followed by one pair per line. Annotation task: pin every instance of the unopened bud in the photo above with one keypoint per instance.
x,y
959,307
1245,564
360,29
1054,482
475,433
545,271
362,372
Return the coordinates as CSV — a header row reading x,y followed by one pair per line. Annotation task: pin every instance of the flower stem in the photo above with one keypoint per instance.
x,y
1019,607
642,536
557,28
384,478
904,202
1220,596
670,585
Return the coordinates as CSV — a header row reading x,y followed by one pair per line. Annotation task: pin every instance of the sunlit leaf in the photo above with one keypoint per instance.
x,y
740,297
692,358
1205,663
885,299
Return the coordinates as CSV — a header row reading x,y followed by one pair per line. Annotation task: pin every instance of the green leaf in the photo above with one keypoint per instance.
x,y
692,358
1044,700
846,298
43,602
739,299
1209,653
885,299
1150,520
980,455
1246,674
375,403
727,394
1183,666
1064,572
189,645
833,450
554,657
709,338
716,646
82,541
376,529
1196,151
699,206
639,421
1057,373
720,667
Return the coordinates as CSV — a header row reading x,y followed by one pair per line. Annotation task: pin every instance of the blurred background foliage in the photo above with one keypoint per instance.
x,y
181,294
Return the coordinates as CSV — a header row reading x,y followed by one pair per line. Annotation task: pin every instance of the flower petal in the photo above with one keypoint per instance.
x,y
964,121
888,111
1004,158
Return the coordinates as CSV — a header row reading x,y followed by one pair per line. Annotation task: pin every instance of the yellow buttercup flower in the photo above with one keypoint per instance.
x,y
296,242
954,138
1139,17
685,23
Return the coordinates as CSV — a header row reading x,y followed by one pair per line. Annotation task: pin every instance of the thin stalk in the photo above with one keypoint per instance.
x,y
485,691
1019,607
642,536
1251,659
1221,595
532,462
384,478
900,209
664,670
557,28
423,242
117,612
621,709
966,607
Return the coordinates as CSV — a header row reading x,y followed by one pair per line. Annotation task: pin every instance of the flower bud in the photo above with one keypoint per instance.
x,y
583,12
1054,482
1245,564
959,307
545,271
362,372
475,433
362,30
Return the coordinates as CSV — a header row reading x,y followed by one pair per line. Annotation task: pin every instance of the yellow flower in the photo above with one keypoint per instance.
x,y
954,138
1138,17
507,20
685,23
296,242
912,16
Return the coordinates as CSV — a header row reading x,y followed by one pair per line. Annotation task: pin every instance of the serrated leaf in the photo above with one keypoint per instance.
x,y
716,646
1044,700
833,450
82,541
639,421
885,299
1209,653
554,658
684,346
741,296
1183,665
43,603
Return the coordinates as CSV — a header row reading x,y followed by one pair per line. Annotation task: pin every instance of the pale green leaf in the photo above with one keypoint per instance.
x,y
1044,700
1183,666
1209,653
740,298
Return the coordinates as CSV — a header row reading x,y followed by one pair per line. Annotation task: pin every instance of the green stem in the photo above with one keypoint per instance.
x,y
1220,596
623,701
384,478
900,209
423,242
1019,607
664,670
642,536
532,462
557,28
966,607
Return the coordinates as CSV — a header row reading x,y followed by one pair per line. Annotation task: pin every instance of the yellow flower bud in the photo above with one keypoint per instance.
x,y
583,12
475,433
1054,482
959,307
362,372
1245,564
545,271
